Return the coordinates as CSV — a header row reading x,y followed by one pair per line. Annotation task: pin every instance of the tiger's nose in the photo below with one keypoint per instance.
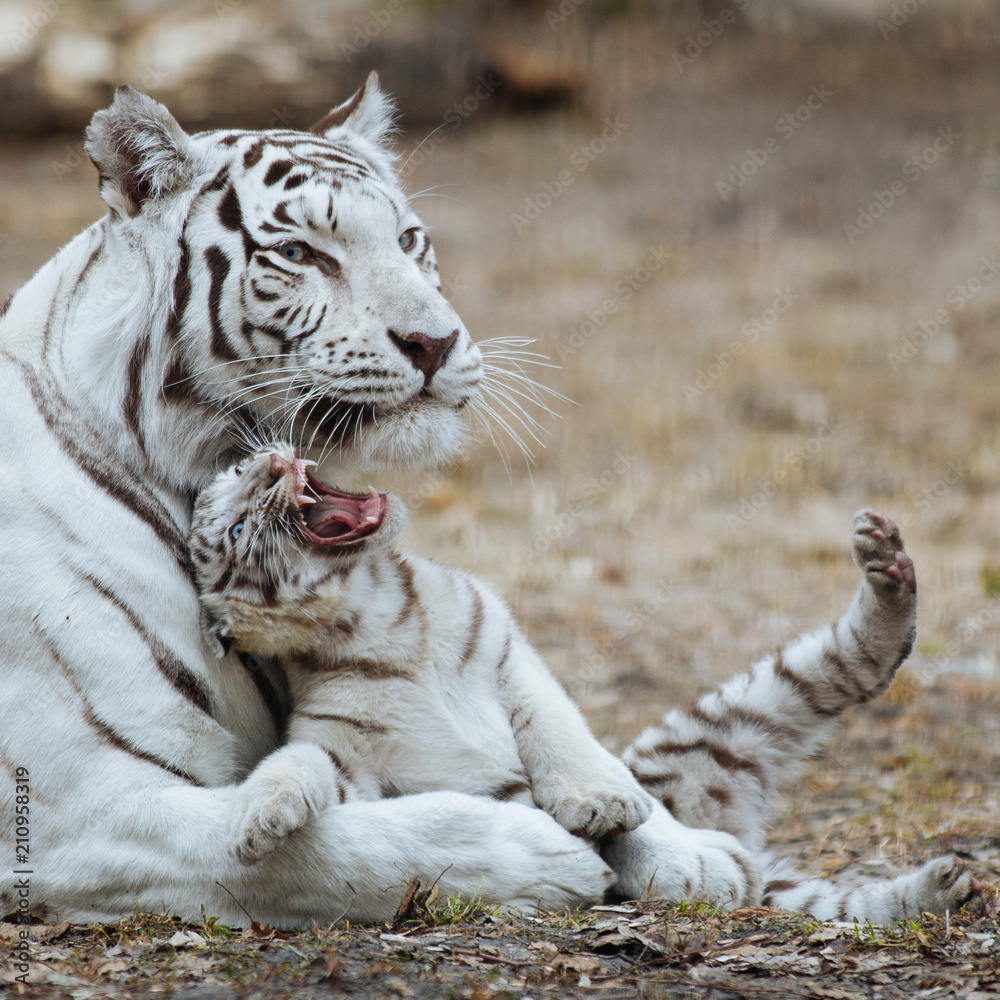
x,y
426,354
281,466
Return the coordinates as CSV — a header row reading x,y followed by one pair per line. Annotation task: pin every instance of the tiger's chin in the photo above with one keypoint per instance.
x,y
420,437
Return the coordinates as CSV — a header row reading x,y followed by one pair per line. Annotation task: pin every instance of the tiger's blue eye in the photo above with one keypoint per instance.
x,y
408,240
236,530
295,252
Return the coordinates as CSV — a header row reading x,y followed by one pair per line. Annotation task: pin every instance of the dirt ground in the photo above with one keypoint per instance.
x,y
746,367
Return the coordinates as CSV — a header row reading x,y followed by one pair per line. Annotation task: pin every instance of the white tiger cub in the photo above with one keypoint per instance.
x,y
411,676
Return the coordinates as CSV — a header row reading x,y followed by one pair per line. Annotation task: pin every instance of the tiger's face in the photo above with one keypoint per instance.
x,y
274,548
307,300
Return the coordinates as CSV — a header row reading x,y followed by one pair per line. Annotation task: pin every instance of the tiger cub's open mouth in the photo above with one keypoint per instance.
x,y
330,518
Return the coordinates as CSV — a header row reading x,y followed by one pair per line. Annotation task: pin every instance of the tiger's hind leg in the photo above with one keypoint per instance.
x,y
718,763
945,884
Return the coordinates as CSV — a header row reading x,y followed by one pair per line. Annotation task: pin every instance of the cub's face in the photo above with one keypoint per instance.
x,y
274,548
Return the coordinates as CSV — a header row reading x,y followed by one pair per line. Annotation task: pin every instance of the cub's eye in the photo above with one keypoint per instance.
x,y
408,240
295,252
236,530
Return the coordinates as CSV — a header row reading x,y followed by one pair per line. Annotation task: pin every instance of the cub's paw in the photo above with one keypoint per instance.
x,y
878,551
285,791
610,804
948,884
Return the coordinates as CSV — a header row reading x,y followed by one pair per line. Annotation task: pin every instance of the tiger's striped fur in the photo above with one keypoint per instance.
x,y
241,283
411,676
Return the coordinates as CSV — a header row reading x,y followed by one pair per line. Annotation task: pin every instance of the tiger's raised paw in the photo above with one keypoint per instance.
x,y
283,793
878,551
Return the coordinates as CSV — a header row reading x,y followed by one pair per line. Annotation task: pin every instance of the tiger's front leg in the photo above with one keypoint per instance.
x,y
573,778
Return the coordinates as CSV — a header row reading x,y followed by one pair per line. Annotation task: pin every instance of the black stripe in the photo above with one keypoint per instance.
x,y
182,289
5,305
276,171
167,661
476,620
277,702
369,728
509,790
253,154
231,216
102,468
133,390
91,261
218,269
105,731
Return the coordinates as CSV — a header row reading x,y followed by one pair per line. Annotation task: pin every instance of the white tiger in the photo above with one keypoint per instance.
x,y
412,676
241,282
270,284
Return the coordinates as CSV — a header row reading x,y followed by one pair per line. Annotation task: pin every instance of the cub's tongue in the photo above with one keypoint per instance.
x,y
336,517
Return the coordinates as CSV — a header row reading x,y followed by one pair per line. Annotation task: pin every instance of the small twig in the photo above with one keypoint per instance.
x,y
349,905
238,903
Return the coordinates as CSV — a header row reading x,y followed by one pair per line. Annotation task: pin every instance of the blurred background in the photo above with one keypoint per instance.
x,y
761,241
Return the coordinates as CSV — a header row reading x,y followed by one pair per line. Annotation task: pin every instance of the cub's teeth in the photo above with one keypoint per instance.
x,y
305,499
372,519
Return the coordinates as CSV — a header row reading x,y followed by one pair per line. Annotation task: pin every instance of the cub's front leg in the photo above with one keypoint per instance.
x,y
283,793
573,778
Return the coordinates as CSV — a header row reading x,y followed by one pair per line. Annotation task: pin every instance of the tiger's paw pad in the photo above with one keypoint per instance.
x,y
285,792
878,551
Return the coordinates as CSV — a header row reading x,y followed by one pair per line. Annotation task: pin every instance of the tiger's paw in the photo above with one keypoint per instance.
x,y
283,793
948,884
612,804
878,551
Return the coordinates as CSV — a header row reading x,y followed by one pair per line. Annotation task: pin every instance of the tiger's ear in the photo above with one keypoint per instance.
x,y
369,113
139,149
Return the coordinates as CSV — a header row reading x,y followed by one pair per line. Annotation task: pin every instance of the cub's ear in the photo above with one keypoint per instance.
x,y
369,114
139,149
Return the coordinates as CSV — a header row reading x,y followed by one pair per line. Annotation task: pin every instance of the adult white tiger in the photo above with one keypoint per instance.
x,y
240,280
